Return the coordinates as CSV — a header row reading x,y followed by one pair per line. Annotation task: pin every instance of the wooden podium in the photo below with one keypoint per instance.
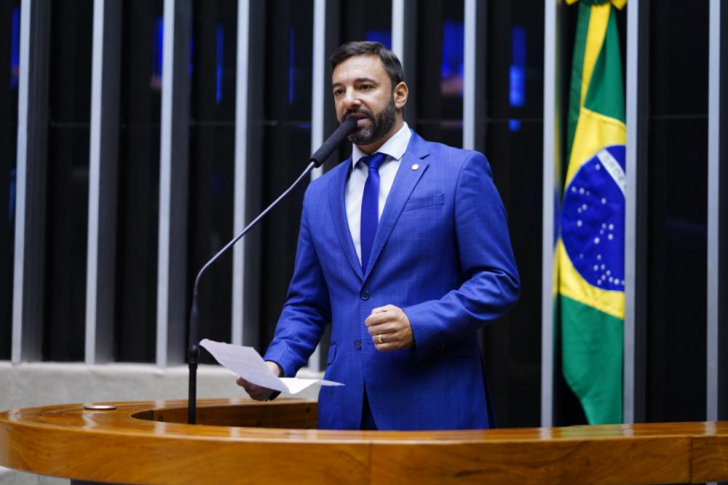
x,y
241,441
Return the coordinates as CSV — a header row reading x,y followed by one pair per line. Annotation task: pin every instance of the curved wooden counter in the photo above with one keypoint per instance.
x,y
147,443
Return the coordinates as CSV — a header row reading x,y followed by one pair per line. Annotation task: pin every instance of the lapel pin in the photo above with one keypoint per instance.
x,y
415,166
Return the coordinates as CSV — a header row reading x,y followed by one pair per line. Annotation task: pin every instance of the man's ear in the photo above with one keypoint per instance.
x,y
401,91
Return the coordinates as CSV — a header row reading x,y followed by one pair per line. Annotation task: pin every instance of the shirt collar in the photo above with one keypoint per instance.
x,y
394,147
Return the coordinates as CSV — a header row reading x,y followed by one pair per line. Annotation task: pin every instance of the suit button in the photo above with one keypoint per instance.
x,y
357,344
365,295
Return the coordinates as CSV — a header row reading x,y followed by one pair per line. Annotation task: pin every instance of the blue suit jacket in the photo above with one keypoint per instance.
x,y
442,253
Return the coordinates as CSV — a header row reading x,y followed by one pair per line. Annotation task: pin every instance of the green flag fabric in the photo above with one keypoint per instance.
x,y
590,249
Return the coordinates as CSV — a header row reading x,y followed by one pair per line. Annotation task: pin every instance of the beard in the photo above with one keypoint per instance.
x,y
379,126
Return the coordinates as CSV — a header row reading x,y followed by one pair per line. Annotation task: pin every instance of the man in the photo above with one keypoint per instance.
x,y
406,266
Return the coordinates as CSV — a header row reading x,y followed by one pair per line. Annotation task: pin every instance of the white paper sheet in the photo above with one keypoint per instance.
x,y
248,364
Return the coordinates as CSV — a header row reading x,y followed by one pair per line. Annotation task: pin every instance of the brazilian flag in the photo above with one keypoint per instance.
x,y
590,249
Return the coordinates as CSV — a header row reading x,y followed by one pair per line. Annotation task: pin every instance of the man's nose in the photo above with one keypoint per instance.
x,y
351,100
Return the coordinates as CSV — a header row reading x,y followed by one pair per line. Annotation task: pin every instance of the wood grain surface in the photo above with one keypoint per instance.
x,y
241,441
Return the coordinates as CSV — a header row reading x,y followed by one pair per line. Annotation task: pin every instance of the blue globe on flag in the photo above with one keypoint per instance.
x,y
592,219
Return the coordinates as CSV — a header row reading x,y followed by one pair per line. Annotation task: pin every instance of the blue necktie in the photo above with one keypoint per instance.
x,y
370,206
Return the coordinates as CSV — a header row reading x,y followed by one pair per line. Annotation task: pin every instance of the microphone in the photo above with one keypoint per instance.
x,y
193,351
338,136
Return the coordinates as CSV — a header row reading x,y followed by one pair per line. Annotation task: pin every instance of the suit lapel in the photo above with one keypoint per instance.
x,y
404,183
340,220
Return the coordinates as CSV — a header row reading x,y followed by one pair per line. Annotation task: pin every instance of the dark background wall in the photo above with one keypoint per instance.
x,y
509,130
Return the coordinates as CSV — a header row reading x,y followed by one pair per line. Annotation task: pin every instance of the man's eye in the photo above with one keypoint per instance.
x,y
338,92
365,87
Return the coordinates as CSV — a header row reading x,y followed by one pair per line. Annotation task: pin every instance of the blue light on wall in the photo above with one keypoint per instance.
x,y
453,55
220,62
518,68
517,91
15,48
157,52
190,61
382,36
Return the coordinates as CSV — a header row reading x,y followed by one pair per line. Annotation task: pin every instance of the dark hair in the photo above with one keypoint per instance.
x,y
389,60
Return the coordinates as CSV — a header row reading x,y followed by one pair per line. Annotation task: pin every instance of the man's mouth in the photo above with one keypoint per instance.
x,y
360,118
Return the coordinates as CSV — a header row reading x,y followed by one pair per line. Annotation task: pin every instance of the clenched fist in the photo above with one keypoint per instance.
x,y
390,328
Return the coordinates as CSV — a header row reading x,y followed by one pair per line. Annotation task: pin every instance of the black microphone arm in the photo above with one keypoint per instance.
x,y
193,351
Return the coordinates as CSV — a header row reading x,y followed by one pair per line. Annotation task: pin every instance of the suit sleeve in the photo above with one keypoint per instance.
x,y
491,282
307,310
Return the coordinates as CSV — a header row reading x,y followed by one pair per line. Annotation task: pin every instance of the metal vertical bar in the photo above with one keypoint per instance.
x,y
94,180
630,211
713,300
469,101
164,183
241,169
93,190
317,111
551,154
22,155
28,276
173,180
104,139
398,29
635,235
318,69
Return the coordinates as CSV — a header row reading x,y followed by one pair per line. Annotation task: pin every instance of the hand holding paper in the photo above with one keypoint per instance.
x,y
255,391
248,364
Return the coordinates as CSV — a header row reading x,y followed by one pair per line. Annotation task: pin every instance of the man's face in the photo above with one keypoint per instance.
x,y
362,89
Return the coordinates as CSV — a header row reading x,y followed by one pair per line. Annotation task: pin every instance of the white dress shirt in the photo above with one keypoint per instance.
x,y
394,148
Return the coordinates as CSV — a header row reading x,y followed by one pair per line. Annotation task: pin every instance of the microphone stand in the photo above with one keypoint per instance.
x,y
193,351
